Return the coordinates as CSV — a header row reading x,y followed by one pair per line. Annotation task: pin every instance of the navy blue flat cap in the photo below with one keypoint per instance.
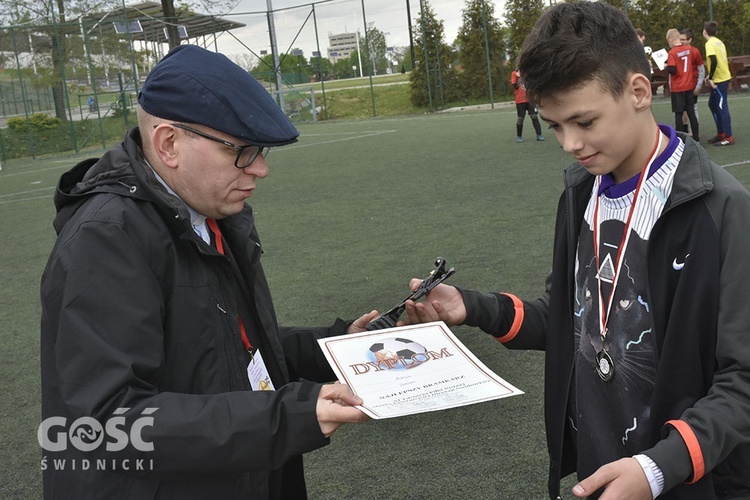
x,y
194,85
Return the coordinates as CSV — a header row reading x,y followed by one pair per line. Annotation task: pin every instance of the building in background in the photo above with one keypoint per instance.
x,y
342,45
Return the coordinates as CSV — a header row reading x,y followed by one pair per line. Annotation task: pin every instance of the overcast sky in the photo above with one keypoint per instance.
x,y
335,16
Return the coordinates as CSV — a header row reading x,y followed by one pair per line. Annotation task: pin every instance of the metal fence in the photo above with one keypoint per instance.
x,y
68,86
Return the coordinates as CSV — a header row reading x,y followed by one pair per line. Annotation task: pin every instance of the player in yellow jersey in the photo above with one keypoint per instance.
x,y
718,79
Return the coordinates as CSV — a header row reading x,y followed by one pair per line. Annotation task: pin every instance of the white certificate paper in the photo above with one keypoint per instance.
x,y
412,369
660,58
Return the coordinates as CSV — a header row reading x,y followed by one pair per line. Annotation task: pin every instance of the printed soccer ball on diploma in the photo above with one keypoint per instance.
x,y
412,369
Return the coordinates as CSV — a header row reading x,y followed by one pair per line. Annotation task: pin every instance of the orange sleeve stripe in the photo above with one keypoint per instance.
x,y
693,446
517,321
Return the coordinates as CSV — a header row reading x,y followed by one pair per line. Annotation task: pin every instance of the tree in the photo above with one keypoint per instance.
x,y
322,68
401,57
245,61
655,17
733,17
294,69
48,18
343,68
172,14
520,16
375,52
474,52
433,77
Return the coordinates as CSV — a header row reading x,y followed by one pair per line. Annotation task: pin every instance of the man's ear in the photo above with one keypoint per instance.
x,y
641,91
164,138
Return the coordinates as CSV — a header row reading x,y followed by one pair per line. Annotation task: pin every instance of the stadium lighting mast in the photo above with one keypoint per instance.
x,y
275,52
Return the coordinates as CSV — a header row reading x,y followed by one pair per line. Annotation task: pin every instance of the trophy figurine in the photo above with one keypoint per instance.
x,y
388,319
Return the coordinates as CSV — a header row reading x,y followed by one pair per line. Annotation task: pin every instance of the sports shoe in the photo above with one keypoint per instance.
x,y
519,139
729,141
540,138
716,138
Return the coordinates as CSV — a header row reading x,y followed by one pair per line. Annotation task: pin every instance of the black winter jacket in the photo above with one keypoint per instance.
x,y
138,312
701,398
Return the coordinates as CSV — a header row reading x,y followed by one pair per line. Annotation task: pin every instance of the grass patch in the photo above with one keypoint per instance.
x,y
356,82
392,100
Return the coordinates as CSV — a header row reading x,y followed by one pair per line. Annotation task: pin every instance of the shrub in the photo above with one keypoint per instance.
x,y
38,122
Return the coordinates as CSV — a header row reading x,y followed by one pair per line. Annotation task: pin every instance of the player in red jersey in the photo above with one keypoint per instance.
x,y
681,83
699,70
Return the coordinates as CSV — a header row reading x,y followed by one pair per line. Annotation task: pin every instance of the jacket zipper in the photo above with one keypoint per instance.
x,y
231,351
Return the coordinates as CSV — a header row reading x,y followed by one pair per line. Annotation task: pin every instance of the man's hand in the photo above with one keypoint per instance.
x,y
359,324
336,407
621,480
443,303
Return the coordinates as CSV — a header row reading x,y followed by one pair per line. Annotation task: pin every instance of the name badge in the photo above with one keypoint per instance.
x,y
257,374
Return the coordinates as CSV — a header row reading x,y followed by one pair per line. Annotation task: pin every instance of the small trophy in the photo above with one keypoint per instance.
x,y
388,319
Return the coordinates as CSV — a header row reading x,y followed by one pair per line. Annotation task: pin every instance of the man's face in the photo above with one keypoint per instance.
x,y
603,134
206,178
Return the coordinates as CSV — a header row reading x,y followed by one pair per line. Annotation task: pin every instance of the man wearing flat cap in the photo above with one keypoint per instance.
x,y
164,372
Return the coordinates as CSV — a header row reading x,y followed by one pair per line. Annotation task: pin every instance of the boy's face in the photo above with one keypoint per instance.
x,y
604,134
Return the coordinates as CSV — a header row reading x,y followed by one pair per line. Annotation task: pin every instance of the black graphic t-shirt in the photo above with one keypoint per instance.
x,y
608,417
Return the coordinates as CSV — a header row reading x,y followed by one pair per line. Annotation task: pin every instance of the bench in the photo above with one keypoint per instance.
x,y
660,78
739,67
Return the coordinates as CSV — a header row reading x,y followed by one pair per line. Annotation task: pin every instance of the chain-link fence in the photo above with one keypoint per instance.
x,y
68,86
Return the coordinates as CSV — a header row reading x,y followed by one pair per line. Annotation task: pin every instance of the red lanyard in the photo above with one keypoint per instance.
x,y
604,313
220,247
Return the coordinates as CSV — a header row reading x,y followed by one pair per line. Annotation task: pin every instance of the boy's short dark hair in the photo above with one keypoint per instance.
x,y
711,28
688,33
574,43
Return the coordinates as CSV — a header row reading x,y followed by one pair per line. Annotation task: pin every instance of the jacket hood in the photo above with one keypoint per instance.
x,y
112,173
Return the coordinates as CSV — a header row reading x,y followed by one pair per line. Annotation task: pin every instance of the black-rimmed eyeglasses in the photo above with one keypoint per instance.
x,y
246,155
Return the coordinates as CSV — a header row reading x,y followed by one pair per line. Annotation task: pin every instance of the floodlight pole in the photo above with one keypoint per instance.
x,y
411,36
487,55
275,53
372,61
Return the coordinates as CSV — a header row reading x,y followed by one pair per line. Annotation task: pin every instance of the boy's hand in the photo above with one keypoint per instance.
x,y
443,303
621,480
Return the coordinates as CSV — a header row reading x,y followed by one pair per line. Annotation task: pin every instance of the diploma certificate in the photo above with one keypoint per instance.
x,y
412,369
660,58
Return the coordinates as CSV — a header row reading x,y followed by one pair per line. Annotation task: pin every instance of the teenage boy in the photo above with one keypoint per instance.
x,y
698,70
643,317
681,85
718,78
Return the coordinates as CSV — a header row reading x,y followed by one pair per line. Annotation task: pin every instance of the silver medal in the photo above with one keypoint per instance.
x,y
605,368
